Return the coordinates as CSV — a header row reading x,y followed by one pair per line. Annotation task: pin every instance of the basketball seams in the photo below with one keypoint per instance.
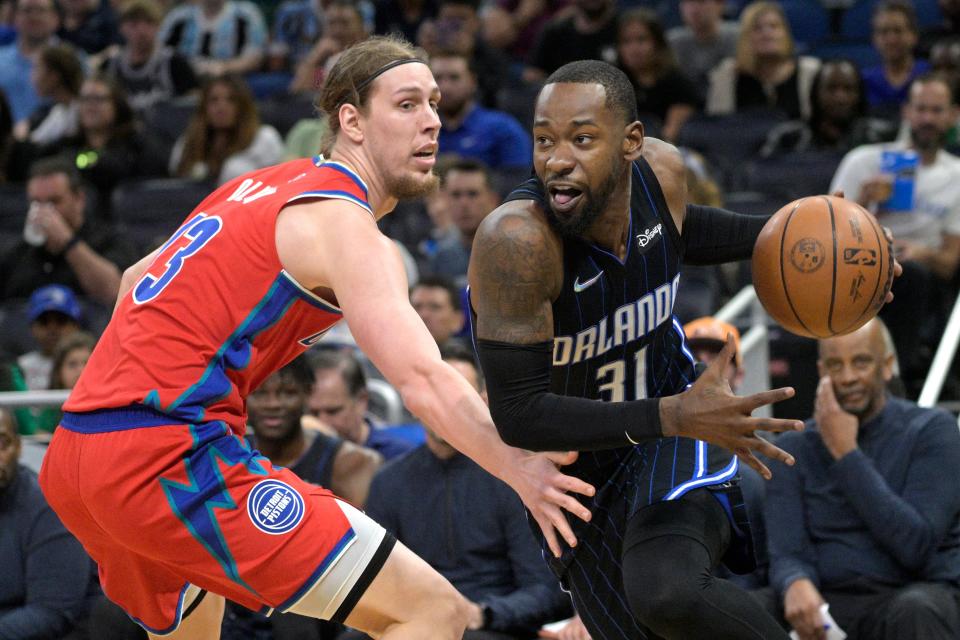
x,y
833,282
783,275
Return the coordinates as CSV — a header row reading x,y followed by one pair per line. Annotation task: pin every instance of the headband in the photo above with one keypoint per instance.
x,y
390,65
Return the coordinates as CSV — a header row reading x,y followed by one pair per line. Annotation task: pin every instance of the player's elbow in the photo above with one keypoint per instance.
x,y
513,425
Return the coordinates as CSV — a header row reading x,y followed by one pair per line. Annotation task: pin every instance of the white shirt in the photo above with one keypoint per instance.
x,y
936,195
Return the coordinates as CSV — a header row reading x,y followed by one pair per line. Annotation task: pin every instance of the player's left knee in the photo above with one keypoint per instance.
x,y
672,601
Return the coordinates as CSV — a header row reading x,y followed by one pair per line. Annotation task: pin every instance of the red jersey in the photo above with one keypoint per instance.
x,y
215,313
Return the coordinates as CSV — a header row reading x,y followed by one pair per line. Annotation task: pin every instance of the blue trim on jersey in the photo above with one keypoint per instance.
x,y
193,503
334,194
345,170
233,354
683,341
328,560
177,618
718,478
134,416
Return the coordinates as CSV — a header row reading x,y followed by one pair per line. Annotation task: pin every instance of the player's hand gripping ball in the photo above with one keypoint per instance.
x,y
822,266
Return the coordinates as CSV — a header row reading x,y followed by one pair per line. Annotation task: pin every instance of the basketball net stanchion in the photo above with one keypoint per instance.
x,y
942,359
754,344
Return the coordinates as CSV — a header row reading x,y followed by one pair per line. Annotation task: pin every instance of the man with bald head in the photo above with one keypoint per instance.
x,y
867,520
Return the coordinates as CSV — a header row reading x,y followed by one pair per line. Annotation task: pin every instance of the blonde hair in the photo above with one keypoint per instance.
x,y
746,56
348,82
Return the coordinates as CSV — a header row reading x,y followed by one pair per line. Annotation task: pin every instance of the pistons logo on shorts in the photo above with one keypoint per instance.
x,y
275,507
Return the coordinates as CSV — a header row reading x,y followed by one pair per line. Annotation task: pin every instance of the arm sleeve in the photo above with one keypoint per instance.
x,y
536,598
713,236
527,415
910,526
57,572
791,551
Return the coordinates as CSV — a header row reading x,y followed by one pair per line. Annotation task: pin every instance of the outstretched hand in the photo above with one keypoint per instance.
x,y
710,411
542,487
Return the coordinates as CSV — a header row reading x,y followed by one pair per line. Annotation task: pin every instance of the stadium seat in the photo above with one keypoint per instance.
x,y
282,112
148,211
809,21
167,120
860,53
519,101
729,142
793,175
855,24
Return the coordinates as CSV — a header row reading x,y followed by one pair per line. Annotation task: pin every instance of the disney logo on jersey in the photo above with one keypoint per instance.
x,y
646,239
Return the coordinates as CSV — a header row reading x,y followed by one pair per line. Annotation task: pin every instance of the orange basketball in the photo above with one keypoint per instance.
x,y
822,266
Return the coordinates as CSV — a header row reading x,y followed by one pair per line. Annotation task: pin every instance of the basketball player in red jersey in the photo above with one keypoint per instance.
x,y
148,468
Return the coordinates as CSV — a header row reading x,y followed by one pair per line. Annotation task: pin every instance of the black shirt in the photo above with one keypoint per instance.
x,y
671,88
25,268
560,43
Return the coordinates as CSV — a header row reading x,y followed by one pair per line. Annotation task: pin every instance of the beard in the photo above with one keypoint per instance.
x,y
927,138
574,225
407,187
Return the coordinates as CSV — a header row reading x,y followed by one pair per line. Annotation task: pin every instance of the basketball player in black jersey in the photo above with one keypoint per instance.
x,y
572,285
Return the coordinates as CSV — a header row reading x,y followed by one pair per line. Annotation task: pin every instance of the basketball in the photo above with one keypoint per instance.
x,y
822,266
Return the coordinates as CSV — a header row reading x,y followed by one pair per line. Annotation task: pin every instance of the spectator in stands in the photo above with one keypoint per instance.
x,y
56,77
514,25
36,22
343,27
437,301
217,36
838,116
766,72
470,130
927,237
89,25
68,249
894,38
704,40
456,29
225,137
149,72
662,89
947,31
468,526
70,356
275,410
471,196
866,521
587,32
403,17
109,148
54,315
69,359
340,398
46,573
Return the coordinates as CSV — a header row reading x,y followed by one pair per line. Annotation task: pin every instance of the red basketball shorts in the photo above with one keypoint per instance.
x,y
166,509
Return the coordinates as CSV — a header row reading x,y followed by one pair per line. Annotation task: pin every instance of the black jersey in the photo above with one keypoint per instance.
x,y
616,339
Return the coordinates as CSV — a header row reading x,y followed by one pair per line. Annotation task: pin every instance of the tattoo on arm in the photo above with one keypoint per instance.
x,y
515,273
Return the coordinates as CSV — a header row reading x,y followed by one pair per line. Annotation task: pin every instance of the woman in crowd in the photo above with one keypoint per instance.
x,y
108,147
838,118
225,137
895,35
662,89
56,77
766,72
